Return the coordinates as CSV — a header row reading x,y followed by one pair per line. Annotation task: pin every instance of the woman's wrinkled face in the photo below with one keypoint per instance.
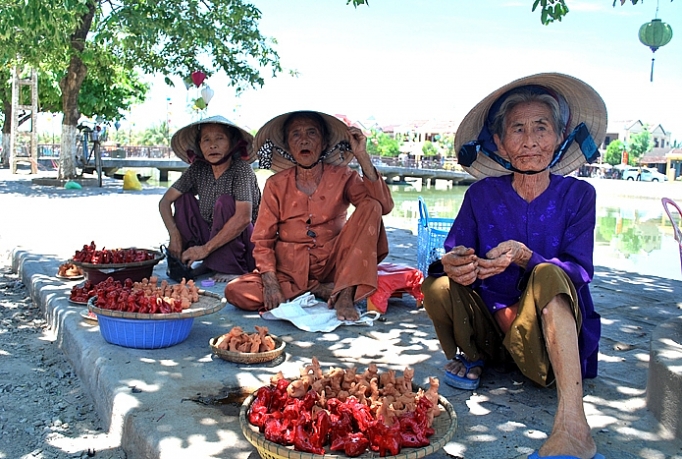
x,y
214,143
529,137
305,141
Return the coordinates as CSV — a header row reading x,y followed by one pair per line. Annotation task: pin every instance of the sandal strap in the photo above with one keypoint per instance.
x,y
469,364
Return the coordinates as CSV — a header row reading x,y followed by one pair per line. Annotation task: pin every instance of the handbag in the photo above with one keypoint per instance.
x,y
176,269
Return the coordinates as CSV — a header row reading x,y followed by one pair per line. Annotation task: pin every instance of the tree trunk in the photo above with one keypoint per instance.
x,y
6,132
70,86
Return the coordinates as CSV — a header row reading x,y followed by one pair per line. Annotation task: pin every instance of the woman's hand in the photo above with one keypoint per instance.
x,y
358,143
461,265
500,257
272,292
196,253
175,245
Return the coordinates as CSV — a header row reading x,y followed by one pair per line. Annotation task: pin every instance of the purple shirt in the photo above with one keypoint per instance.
x,y
558,226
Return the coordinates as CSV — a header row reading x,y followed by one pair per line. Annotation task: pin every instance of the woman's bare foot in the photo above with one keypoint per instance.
x,y
323,291
345,309
570,436
222,277
456,367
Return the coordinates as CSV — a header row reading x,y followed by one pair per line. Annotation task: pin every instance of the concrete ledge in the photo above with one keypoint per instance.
x,y
664,387
159,403
144,397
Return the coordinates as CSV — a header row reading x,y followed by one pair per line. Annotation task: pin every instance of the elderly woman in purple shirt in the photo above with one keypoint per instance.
x,y
514,281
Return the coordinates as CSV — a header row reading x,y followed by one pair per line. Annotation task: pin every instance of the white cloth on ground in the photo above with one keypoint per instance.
x,y
310,314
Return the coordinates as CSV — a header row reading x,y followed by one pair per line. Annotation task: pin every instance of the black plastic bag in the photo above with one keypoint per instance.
x,y
176,269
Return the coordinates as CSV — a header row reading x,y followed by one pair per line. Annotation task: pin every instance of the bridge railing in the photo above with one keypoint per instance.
x,y
165,152
426,163
126,151
114,151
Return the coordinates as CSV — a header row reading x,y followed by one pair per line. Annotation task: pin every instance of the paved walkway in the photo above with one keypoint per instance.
x,y
150,397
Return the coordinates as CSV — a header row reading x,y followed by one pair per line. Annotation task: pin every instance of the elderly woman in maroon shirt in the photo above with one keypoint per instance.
x,y
304,240
216,200
514,280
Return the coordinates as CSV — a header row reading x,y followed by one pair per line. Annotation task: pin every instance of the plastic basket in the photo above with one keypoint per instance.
x,y
144,333
431,234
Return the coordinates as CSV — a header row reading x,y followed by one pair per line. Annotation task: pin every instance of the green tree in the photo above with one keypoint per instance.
x,y
174,37
447,143
550,10
33,30
614,152
638,146
429,149
382,144
108,91
156,135
125,137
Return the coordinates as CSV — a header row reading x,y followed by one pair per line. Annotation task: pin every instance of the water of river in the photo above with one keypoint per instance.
x,y
632,234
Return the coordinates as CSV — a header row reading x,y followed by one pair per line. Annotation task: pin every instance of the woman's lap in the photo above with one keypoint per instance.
x,y
352,262
235,257
463,322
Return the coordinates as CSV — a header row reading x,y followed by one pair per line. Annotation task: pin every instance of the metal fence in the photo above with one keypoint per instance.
x,y
424,163
114,151
128,151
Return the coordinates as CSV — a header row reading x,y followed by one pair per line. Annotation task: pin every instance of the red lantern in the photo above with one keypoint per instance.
x,y
198,77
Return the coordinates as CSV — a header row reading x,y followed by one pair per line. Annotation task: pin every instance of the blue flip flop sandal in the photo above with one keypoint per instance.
x,y
462,382
535,456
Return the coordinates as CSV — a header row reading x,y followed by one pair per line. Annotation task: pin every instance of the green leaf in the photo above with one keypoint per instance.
x,y
128,34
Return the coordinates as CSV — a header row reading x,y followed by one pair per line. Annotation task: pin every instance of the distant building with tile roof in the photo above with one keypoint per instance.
x,y
673,163
624,130
416,132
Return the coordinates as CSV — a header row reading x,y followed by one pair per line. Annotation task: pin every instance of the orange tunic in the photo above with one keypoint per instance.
x,y
307,240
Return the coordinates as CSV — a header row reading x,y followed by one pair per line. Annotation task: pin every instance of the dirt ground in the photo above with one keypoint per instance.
x,y
44,411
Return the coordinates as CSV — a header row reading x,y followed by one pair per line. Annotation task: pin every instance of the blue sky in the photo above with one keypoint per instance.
x,y
398,60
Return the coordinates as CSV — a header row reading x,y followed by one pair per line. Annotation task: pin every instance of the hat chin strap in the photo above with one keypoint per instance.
x,y
311,166
469,152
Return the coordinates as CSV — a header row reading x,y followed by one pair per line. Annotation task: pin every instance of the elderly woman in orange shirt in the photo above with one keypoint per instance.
x,y
303,238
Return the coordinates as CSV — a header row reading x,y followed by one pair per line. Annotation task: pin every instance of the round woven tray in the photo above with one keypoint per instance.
x,y
208,303
70,278
248,357
158,256
444,425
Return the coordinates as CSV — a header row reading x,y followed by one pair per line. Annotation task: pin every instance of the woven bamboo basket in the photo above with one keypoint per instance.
x,y
208,303
445,426
248,357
